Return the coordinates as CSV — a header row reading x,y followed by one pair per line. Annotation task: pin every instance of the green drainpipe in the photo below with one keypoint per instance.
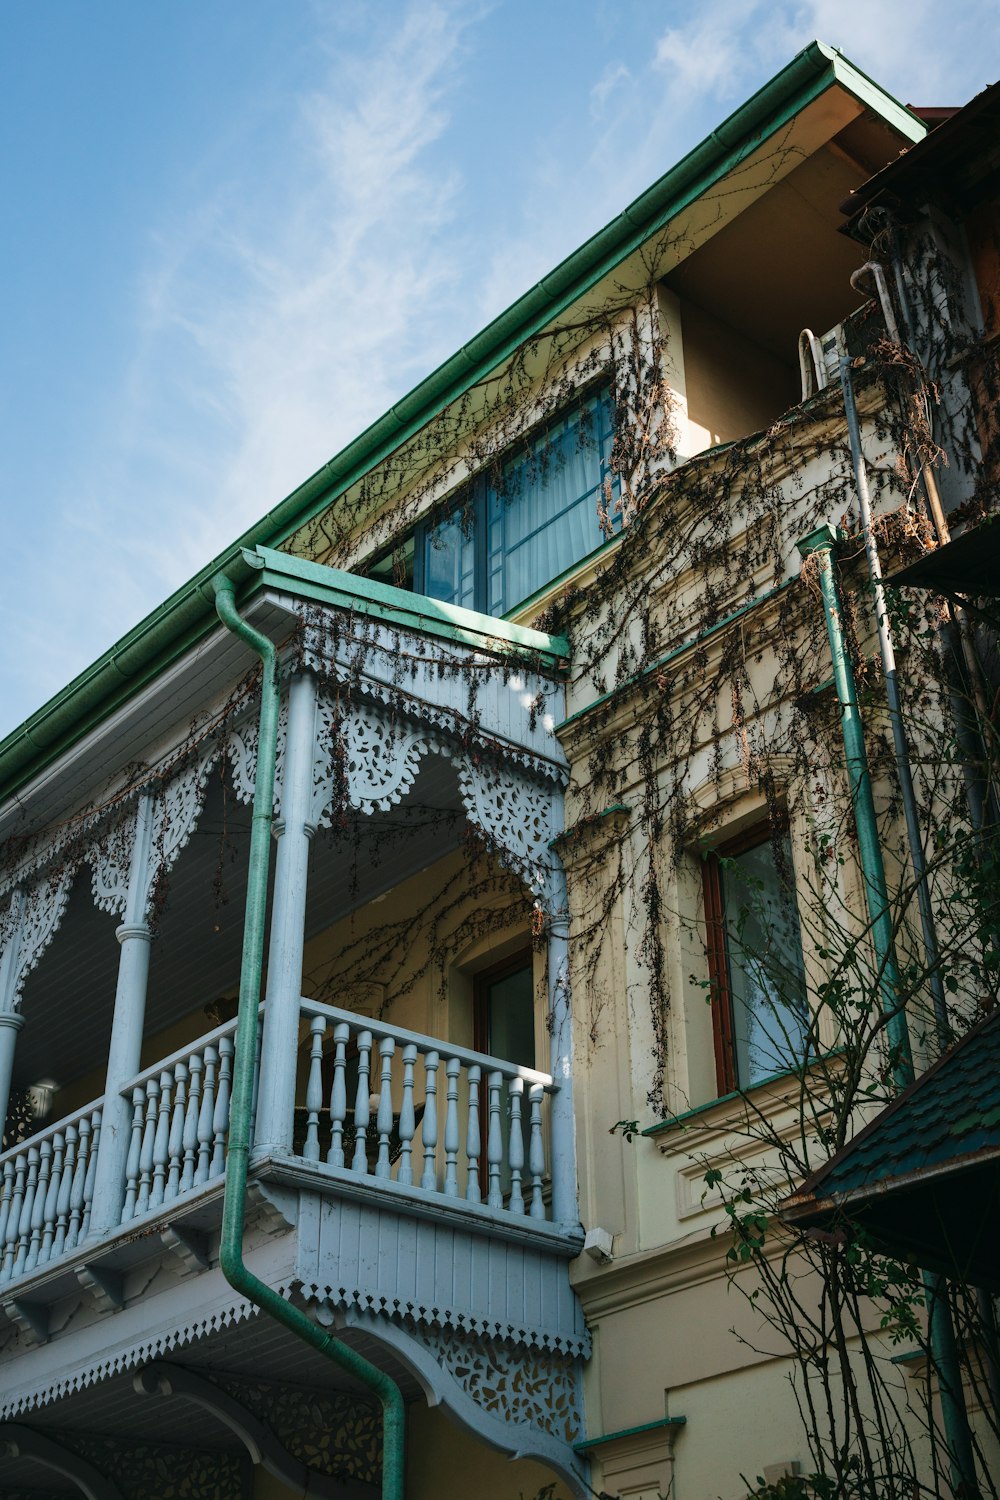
x,y
822,544
234,1268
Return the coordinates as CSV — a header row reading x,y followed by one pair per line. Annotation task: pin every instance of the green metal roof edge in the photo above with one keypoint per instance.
x,y
401,607
627,1432
188,614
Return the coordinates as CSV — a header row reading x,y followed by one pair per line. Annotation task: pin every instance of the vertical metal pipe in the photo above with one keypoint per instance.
x,y
234,1268
900,748
821,544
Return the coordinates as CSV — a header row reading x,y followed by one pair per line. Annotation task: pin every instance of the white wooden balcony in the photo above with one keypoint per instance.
x,y
416,1192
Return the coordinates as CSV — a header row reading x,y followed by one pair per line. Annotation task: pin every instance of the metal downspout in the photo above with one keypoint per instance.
x,y
944,1355
234,1268
822,544
900,748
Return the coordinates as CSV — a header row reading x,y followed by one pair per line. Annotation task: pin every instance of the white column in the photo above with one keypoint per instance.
x,y
125,1048
294,831
11,1020
565,1210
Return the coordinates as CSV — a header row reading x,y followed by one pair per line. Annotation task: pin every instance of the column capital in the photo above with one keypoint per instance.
x,y
133,930
11,1018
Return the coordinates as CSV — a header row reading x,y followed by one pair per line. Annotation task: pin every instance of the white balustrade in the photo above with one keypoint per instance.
x,y
371,1105
46,1187
180,1121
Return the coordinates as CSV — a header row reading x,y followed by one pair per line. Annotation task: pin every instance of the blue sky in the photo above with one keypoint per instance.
x,y
237,230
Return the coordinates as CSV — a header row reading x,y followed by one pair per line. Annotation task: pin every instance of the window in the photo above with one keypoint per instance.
x,y
510,532
504,1022
758,985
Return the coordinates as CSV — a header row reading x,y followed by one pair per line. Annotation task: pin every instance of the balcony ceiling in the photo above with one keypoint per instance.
x,y
69,999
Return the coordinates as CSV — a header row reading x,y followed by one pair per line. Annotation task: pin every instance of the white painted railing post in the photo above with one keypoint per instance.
x,y
565,1210
274,1126
125,1049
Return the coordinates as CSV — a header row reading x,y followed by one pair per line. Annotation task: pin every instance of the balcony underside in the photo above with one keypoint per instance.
x,y
463,1312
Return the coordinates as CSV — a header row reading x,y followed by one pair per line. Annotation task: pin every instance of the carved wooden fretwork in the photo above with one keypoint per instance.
x,y
139,1470
363,758
511,1383
514,815
32,920
110,859
336,1433
241,754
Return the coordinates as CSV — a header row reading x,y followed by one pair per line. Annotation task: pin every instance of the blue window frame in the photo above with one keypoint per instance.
x,y
514,529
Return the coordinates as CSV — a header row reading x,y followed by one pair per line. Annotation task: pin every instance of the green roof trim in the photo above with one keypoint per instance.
x,y
627,1432
402,608
188,615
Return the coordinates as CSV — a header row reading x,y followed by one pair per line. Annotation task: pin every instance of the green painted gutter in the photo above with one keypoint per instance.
x,y
189,614
234,1268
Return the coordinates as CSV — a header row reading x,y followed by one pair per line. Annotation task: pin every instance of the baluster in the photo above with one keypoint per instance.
x,y
191,1114
52,1198
338,1095
38,1207
314,1088
429,1127
175,1145
206,1116
6,1199
161,1140
407,1119
134,1153
14,1221
148,1145
473,1139
362,1103
515,1153
65,1188
494,1142
76,1194
536,1151
27,1210
88,1185
256,1078
452,1069
220,1120
386,1049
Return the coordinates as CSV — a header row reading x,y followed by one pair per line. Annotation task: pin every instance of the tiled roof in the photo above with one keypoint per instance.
x,y
948,1118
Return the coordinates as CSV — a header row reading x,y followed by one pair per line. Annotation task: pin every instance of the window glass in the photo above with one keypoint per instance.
x,y
543,517
510,1017
450,560
767,985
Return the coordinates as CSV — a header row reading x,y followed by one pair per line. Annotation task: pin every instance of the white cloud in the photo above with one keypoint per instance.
x,y
279,316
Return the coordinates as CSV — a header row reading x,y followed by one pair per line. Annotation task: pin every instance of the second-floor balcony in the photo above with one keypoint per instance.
x,y
412,1171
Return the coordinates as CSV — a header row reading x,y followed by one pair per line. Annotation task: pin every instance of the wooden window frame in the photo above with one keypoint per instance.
x,y
481,982
717,949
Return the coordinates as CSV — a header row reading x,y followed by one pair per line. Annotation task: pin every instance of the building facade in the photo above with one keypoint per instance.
x,y
401,862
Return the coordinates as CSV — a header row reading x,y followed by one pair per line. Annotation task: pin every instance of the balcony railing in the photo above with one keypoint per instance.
x,y
46,1191
467,1127
439,1120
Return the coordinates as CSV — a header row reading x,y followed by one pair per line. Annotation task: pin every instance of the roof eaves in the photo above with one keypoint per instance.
x,y
188,614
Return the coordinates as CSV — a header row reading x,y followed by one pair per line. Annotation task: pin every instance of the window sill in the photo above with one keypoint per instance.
x,y
715,1111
